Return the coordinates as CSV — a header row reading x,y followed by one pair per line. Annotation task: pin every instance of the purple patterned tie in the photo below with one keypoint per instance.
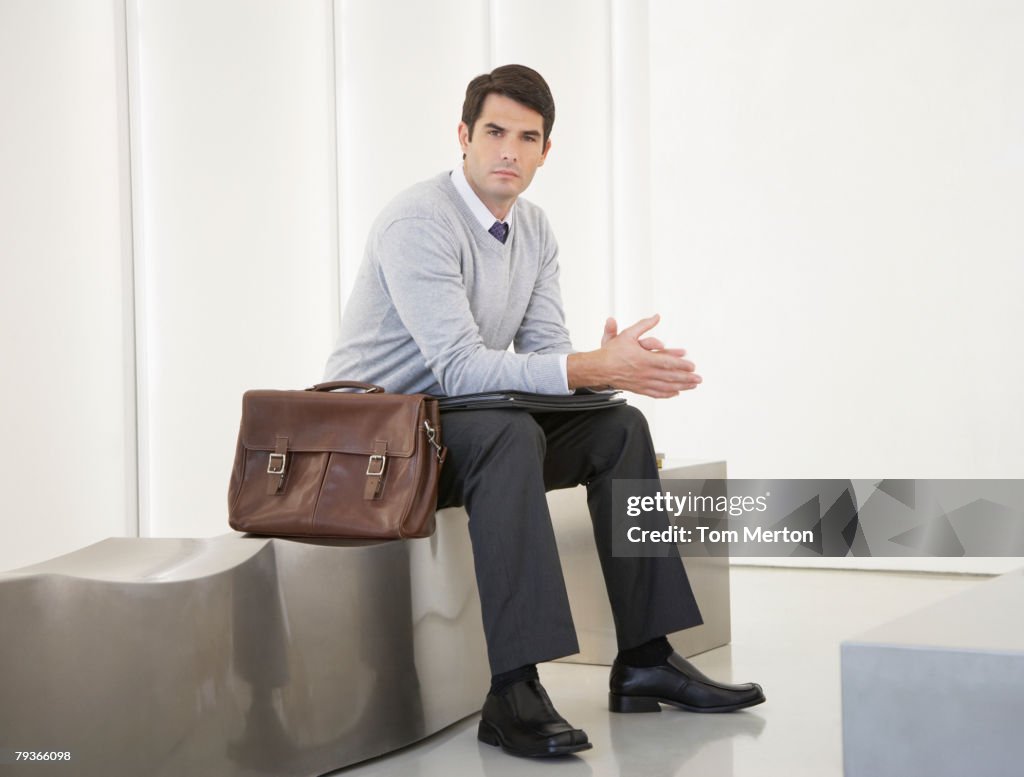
x,y
499,229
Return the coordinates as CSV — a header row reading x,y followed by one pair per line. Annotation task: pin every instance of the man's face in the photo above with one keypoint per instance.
x,y
506,150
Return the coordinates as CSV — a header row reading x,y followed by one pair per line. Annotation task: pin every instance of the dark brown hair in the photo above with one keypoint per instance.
x,y
517,82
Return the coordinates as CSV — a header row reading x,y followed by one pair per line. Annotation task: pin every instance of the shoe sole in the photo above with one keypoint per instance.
x,y
618,703
489,736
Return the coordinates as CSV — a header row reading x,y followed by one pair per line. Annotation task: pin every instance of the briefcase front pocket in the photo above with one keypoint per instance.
x,y
287,512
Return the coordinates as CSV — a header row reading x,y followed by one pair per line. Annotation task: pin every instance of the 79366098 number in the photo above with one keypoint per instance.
x,y
42,755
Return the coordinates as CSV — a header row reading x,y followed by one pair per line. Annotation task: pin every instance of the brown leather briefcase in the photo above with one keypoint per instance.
x,y
346,465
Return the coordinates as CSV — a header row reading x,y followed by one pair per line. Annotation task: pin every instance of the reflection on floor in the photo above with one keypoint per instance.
x,y
787,625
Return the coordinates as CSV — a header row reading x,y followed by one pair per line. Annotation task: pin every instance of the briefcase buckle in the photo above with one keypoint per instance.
x,y
276,464
381,458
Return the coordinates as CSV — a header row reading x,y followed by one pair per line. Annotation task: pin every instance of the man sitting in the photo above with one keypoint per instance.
x,y
457,268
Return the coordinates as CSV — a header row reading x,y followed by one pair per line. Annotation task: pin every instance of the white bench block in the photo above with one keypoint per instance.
x,y
939,692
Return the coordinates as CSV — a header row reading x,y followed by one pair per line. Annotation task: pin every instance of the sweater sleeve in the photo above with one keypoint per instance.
x,y
543,328
420,269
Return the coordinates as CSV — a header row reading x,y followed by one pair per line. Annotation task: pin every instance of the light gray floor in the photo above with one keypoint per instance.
x,y
787,626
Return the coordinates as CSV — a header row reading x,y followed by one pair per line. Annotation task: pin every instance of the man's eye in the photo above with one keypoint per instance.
x,y
495,133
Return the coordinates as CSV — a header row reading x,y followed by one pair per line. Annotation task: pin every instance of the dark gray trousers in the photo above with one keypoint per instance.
x,y
500,464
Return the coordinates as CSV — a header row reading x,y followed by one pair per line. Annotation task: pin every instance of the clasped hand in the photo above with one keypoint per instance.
x,y
628,361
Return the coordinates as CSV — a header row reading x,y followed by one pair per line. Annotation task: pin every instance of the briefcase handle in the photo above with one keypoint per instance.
x,y
369,388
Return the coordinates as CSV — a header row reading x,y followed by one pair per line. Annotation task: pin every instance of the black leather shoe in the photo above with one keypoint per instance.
x,y
522,721
679,683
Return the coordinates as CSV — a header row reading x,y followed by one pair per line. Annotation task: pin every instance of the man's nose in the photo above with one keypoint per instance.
x,y
508,153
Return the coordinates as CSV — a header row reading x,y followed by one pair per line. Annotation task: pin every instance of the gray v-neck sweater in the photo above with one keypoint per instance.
x,y
438,301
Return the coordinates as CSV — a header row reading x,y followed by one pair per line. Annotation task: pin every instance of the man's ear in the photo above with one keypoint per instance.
x,y
463,135
544,156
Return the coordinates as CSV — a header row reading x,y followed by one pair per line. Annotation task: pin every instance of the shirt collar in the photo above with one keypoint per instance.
x,y
474,203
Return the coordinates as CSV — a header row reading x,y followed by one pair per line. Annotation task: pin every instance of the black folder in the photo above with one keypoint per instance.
x,y
583,399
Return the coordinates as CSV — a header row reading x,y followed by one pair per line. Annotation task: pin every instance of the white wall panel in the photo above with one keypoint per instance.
x,y
233,111
837,191
836,195
66,415
568,43
402,70
632,272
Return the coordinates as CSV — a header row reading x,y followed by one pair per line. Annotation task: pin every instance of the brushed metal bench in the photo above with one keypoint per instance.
x,y
240,655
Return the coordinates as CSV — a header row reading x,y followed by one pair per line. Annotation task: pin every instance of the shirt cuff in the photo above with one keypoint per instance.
x,y
563,362
546,373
